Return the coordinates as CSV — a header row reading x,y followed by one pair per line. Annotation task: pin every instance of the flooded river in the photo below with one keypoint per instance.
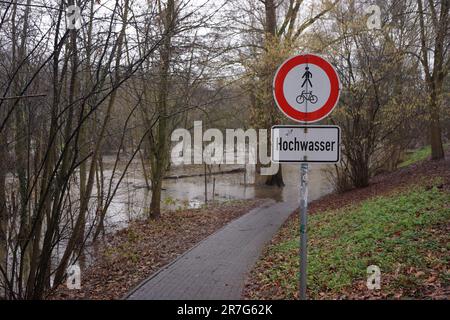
x,y
133,198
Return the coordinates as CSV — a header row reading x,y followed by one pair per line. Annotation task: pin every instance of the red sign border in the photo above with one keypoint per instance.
x,y
286,108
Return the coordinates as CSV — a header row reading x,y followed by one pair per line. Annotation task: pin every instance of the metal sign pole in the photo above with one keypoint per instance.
x,y
303,230
324,101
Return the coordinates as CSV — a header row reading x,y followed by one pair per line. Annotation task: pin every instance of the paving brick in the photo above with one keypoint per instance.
x,y
217,267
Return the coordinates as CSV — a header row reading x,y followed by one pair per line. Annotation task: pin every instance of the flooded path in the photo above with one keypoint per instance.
x,y
133,198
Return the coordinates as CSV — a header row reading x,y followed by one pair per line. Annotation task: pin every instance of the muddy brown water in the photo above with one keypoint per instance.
x,y
133,198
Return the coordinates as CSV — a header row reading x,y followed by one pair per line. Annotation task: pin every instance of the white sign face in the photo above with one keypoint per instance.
x,y
306,88
306,94
293,144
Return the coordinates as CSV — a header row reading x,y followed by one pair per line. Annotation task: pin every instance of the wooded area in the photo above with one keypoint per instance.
x,y
133,71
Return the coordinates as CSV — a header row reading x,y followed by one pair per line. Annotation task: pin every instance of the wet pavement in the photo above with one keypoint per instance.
x,y
217,267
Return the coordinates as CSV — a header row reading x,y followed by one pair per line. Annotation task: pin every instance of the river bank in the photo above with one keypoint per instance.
x,y
130,255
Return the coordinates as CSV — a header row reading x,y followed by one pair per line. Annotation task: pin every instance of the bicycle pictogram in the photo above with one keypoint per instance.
x,y
308,96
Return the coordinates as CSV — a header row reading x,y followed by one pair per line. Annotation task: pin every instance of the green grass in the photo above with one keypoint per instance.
x,y
418,155
391,232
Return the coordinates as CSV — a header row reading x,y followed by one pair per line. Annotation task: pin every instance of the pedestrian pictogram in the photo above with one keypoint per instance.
x,y
307,75
306,95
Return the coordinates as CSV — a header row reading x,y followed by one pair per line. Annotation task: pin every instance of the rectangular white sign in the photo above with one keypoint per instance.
x,y
308,144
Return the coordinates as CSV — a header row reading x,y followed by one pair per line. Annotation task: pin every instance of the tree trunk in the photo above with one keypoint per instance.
x,y
21,154
271,34
276,179
155,205
3,215
271,17
437,150
434,77
159,147
75,242
361,173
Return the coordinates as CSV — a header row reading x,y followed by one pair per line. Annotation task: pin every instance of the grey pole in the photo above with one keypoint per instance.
x,y
303,230
303,221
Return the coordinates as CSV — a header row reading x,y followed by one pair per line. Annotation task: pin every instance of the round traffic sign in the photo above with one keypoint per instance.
x,y
306,88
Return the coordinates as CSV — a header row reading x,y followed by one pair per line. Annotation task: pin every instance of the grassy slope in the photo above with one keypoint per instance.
x,y
418,155
405,233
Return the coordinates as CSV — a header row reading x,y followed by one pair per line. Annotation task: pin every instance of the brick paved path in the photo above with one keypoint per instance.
x,y
217,267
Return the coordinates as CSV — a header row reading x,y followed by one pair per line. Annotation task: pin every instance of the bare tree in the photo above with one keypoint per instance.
x,y
273,30
49,139
435,58
380,98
